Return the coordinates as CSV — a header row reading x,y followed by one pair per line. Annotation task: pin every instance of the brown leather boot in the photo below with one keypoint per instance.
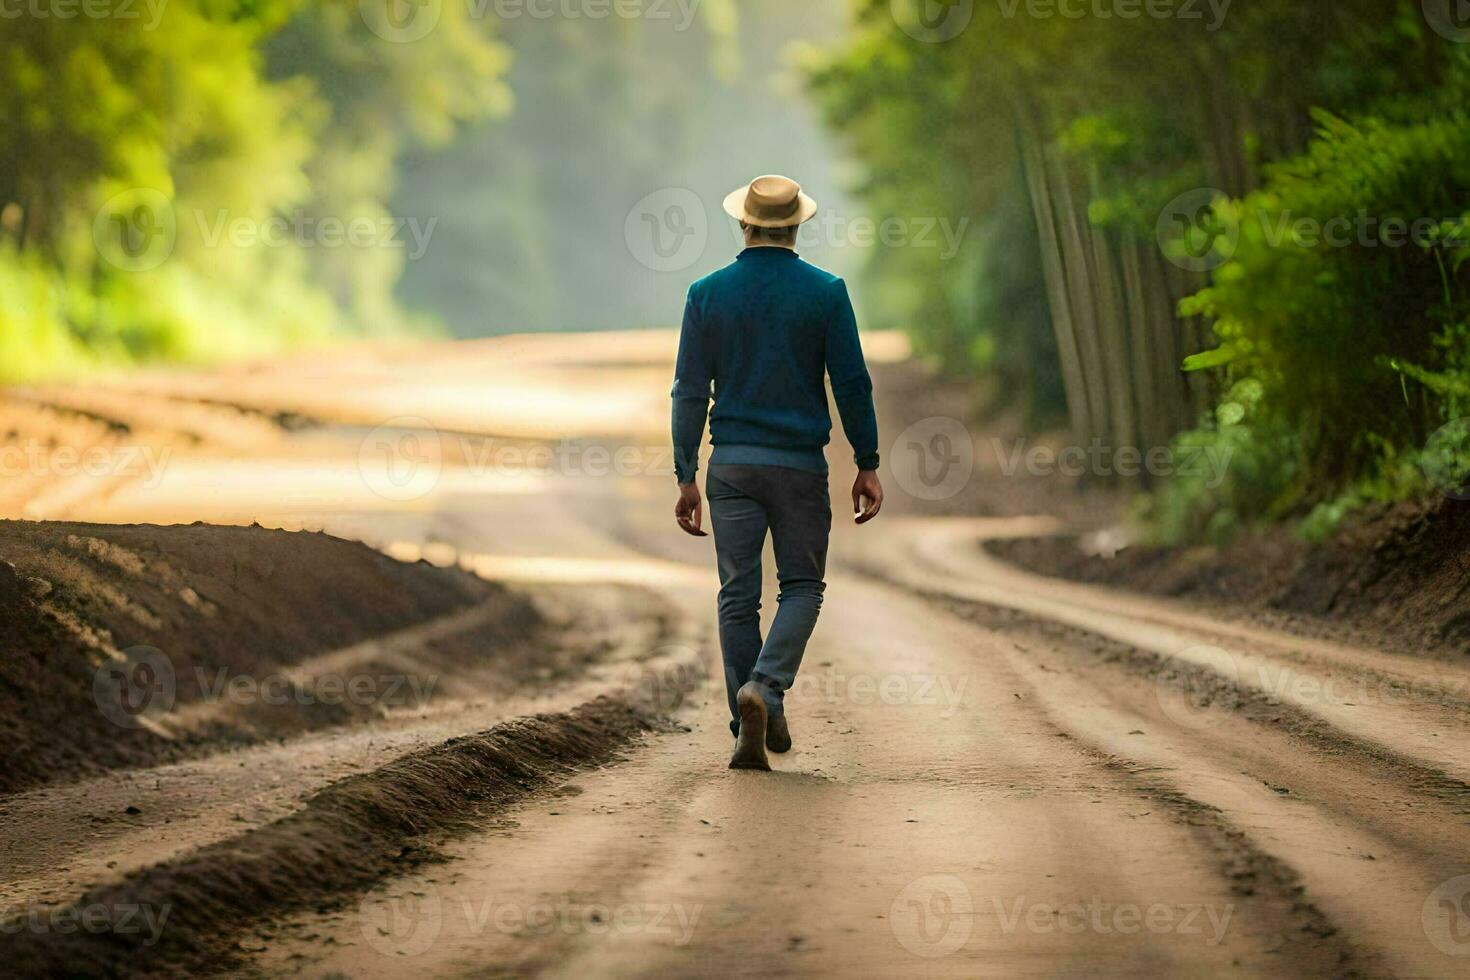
x,y
778,736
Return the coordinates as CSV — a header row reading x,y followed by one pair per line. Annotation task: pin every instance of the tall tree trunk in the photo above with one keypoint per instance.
x,y
1150,394
1116,345
1077,264
1034,166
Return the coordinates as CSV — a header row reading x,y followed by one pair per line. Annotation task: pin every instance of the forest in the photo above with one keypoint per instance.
x,y
1242,230
1234,226
224,178
135,143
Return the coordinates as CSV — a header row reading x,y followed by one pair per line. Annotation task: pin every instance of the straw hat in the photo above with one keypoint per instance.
x,y
771,202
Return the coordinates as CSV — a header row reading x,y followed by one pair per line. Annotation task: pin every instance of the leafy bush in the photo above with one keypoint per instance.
x,y
1346,303
1261,463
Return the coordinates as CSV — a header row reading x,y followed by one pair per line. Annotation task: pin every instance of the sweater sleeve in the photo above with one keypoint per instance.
x,y
693,376
852,388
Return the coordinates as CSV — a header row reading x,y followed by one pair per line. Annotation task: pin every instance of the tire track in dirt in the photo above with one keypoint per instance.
x,y
1286,826
971,810
1408,708
1199,687
55,838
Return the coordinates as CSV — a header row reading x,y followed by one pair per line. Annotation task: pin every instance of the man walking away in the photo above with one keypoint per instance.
x,y
759,335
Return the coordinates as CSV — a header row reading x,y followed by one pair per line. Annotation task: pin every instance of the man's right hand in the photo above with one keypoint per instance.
x,y
867,496
689,511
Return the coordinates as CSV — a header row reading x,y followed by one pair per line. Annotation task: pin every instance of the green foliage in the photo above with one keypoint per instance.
x,y
1260,461
1147,109
1324,519
191,109
34,339
1346,302
1336,363
913,112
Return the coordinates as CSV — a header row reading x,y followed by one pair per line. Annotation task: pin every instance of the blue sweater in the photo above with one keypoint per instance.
x,y
758,336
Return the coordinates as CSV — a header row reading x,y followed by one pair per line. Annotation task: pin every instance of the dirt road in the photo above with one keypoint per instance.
x,y
994,774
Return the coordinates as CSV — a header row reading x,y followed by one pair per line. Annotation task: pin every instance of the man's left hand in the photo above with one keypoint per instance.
x,y
867,496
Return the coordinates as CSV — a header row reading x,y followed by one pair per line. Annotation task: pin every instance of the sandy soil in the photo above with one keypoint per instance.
x,y
995,773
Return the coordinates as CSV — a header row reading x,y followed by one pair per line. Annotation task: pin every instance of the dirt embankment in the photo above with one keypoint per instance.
x,y
345,838
1393,577
133,645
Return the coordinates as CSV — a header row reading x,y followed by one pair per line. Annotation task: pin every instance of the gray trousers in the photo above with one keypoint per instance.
x,y
794,506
